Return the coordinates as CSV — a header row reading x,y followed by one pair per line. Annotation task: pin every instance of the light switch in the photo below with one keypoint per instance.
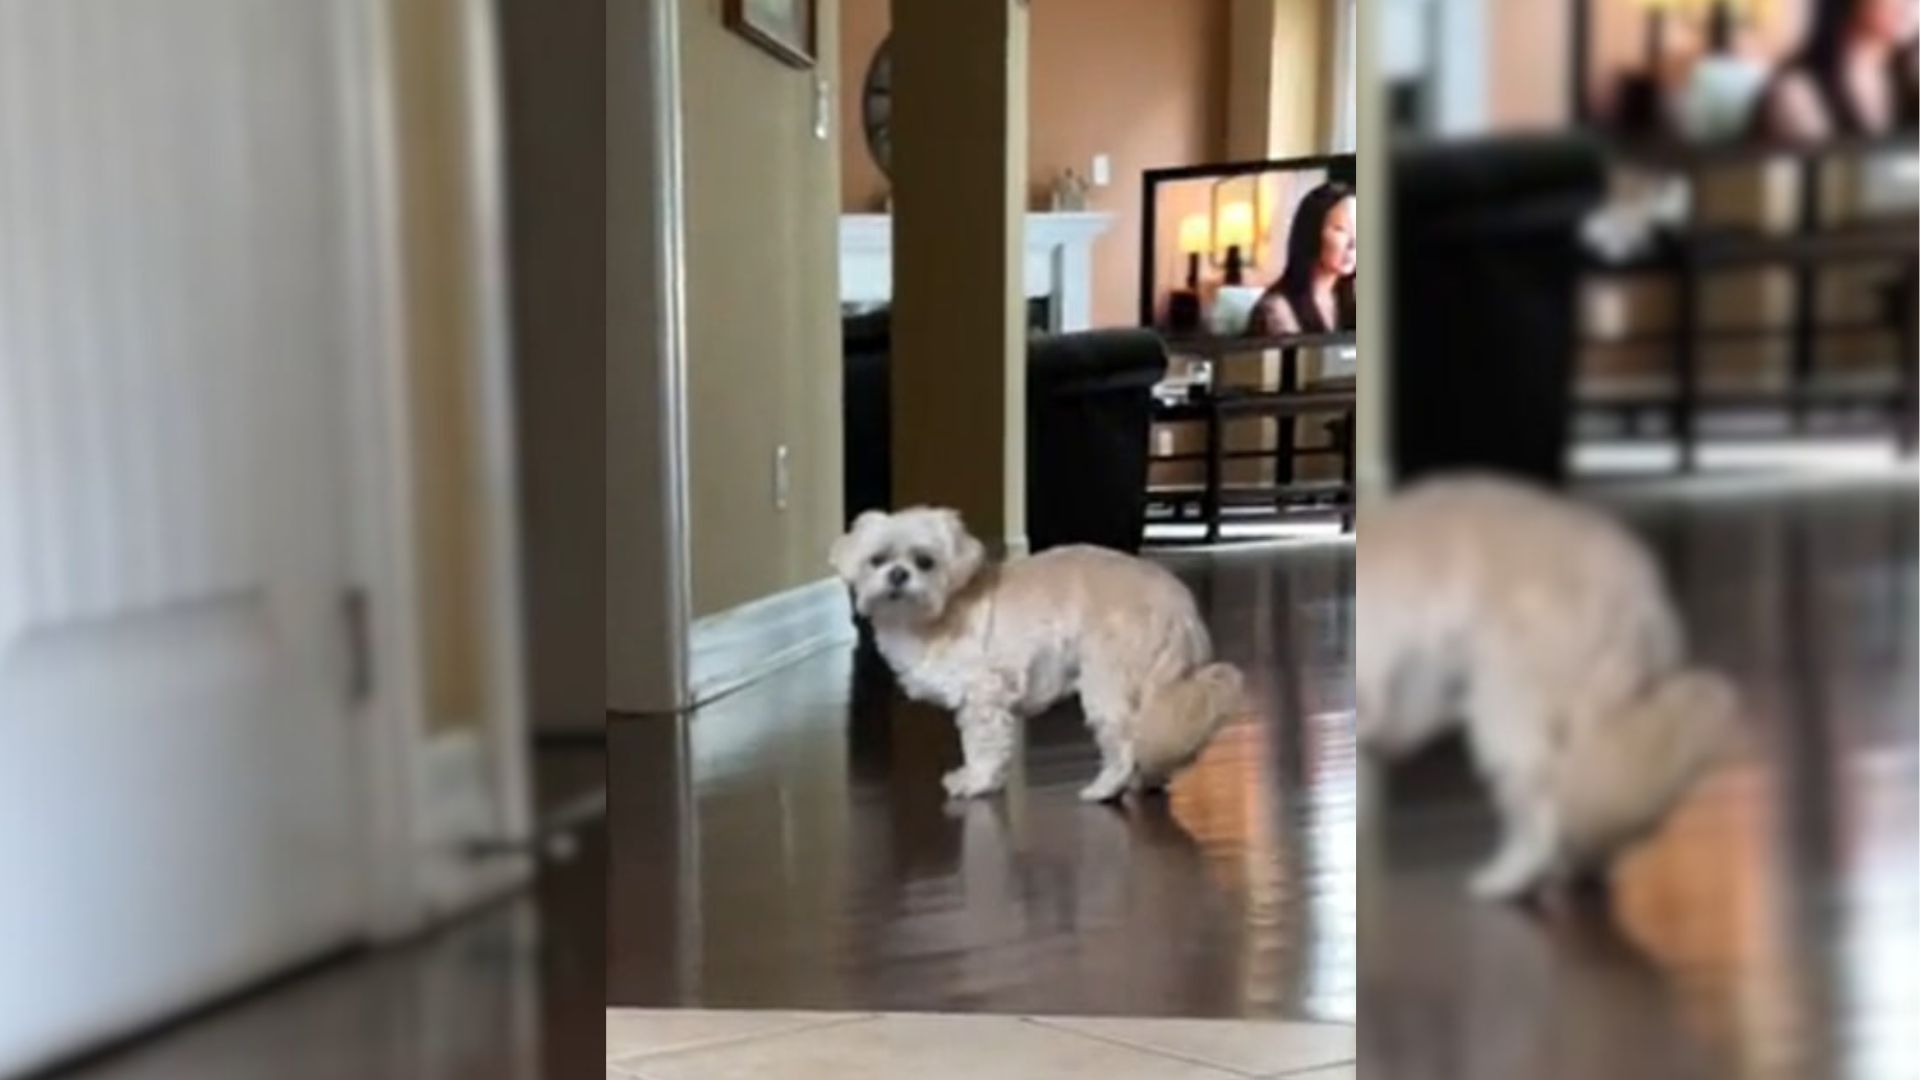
x,y
822,107
1102,170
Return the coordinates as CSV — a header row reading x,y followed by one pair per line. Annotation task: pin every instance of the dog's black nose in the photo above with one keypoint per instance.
x,y
897,576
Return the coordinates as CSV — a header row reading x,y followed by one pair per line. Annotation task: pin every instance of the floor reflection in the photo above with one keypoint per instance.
x,y
789,846
1768,931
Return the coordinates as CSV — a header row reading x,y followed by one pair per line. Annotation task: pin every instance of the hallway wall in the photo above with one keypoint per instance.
x,y
442,311
762,304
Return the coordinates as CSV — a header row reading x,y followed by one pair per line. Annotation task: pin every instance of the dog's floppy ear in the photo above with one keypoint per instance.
x,y
964,553
844,556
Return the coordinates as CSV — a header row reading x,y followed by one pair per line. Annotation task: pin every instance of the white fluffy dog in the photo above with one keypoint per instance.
x,y
1543,627
996,643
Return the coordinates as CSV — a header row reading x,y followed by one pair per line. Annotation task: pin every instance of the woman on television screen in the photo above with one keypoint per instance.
x,y
1314,293
1858,73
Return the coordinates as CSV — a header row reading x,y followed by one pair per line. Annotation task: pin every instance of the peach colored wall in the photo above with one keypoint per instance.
x,y
863,26
1527,85
1143,81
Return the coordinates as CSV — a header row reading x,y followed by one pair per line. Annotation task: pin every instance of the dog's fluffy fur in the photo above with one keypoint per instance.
x,y
1544,628
999,642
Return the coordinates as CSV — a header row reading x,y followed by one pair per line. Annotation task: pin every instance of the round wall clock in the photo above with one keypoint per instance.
x,y
876,107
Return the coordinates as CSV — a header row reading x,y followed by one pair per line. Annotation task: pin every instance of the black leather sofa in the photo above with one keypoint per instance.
x,y
1089,407
1486,256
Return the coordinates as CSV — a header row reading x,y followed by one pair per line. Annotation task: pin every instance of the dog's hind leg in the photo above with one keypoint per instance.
x,y
1116,765
1530,844
1109,716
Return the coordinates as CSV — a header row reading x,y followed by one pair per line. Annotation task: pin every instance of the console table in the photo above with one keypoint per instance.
x,y
1286,405
1691,256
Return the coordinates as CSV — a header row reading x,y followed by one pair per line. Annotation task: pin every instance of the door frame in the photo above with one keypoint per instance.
x,y
507,738
419,857
649,592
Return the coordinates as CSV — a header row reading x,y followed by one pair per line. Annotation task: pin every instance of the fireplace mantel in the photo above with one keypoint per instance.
x,y
1059,263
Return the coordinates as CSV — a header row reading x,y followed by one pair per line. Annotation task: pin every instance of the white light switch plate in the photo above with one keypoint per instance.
x,y
822,107
1102,170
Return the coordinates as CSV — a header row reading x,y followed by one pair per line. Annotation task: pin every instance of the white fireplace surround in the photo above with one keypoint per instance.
x,y
1059,262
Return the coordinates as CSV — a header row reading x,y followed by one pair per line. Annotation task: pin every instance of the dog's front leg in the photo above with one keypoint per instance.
x,y
987,743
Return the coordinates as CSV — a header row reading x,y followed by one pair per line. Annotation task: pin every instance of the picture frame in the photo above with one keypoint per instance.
x,y
784,28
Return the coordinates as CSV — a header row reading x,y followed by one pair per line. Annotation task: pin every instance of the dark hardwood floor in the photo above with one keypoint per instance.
x,y
790,846
1771,930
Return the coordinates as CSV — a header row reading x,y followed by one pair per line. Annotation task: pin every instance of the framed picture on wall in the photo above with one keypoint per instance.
x,y
784,28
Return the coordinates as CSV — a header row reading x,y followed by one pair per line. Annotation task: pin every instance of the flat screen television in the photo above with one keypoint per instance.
x,y
1250,250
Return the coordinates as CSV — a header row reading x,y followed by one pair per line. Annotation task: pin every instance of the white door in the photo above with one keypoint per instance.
x,y
178,789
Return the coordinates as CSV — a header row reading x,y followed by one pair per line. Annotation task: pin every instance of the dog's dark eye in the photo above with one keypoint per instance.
x,y
878,560
924,561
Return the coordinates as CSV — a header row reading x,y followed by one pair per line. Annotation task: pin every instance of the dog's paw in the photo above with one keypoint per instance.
x,y
1105,788
964,783
1503,881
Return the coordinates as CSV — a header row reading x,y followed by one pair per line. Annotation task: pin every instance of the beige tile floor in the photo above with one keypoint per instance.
x,y
686,1044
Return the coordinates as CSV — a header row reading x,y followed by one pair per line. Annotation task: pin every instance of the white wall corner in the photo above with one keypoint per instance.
x,y
1057,261
742,645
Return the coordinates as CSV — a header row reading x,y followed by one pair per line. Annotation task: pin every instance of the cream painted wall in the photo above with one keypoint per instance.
x,y
763,322
1282,63
959,341
1303,65
437,201
1250,52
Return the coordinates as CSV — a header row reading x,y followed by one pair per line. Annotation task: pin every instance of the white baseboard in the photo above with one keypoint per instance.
x,y
458,808
739,646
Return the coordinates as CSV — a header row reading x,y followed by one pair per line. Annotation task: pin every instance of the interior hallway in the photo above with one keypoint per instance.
x,y
1768,931
789,847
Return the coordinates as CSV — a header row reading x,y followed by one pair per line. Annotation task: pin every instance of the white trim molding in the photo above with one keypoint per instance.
x,y
649,588
670,212
742,645
505,755
459,813
1058,263
384,487
1343,95
415,874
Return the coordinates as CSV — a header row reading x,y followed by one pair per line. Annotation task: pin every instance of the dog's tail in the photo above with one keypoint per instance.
x,y
1625,774
1179,718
